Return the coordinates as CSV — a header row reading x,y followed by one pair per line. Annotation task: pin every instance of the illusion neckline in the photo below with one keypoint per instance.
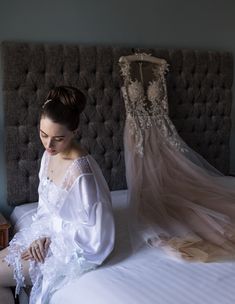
x,y
70,166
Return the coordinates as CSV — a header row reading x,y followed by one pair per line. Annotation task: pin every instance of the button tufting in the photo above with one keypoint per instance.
x,y
186,72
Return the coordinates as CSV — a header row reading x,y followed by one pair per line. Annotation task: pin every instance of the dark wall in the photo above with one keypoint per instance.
x,y
202,24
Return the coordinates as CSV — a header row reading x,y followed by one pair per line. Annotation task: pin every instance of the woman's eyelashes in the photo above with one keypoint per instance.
x,y
59,139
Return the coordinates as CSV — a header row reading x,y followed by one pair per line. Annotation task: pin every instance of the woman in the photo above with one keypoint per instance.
x,y
73,229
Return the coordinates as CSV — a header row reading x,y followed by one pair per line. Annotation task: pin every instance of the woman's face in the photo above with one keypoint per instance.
x,y
56,138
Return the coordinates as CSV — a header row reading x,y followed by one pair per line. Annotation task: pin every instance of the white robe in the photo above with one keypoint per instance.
x,y
77,216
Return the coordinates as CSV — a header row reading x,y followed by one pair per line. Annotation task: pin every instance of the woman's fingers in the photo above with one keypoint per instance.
x,y
36,254
26,255
38,249
47,243
32,253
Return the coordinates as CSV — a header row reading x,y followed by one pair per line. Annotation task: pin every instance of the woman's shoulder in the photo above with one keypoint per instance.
x,y
87,165
82,164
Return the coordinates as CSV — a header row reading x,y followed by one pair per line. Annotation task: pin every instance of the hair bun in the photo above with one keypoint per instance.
x,y
64,105
69,96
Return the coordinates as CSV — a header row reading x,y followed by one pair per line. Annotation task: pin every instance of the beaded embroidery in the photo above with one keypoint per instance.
x,y
145,109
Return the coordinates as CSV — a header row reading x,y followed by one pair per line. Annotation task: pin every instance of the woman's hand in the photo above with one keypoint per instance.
x,y
37,250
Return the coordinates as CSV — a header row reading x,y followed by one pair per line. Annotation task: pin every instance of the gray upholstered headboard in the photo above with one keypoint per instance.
x,y
199,90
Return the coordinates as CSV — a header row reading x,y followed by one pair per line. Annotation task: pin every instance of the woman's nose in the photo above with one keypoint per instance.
x,y
49,143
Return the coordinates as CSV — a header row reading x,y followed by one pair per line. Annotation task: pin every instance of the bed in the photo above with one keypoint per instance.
x,y
199,91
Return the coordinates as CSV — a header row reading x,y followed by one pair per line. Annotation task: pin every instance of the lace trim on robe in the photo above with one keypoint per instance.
x,y
140,114
14,259
47,190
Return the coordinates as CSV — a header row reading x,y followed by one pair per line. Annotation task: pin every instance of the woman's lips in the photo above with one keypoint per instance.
x,y
50,151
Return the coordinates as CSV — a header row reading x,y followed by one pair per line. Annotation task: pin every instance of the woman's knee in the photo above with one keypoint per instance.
x,y
7,273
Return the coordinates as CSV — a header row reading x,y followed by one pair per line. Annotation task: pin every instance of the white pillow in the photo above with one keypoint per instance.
x,y
21,216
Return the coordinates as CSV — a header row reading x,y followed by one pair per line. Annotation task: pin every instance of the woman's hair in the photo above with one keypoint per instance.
x,y
63,105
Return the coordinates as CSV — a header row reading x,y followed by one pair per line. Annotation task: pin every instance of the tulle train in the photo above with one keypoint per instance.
x,y
178,201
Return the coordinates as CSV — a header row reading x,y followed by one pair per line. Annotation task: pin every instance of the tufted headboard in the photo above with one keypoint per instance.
x,y
199,91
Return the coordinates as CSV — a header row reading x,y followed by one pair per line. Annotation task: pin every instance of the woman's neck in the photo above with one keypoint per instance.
x,y
74,151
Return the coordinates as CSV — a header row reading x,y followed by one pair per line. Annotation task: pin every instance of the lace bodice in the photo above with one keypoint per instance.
x,y
150,103
54,194
146,101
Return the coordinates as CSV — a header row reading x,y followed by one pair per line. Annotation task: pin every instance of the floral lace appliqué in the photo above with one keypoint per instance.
x,y
145,109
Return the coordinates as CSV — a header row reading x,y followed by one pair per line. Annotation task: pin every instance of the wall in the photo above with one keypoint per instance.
x,y
201,24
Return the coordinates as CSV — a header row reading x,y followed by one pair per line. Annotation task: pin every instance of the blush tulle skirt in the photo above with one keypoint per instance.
x,y
177,200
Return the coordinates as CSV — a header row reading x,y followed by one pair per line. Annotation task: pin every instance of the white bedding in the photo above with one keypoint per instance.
x,y
148,277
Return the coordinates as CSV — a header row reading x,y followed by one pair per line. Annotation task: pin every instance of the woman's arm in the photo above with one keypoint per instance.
x,y
39,243
89,208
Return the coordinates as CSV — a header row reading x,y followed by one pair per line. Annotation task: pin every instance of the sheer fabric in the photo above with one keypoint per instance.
x,y
77,216
177,200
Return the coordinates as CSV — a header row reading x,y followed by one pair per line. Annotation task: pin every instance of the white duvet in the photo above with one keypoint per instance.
x,y
148,277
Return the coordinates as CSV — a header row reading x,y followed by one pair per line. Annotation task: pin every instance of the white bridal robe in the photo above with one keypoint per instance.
x,y
77,216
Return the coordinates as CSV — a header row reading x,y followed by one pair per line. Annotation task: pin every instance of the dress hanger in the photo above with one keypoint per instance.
x,y
142,57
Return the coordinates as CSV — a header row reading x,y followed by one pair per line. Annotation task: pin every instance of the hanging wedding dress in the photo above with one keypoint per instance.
x,y
177,200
